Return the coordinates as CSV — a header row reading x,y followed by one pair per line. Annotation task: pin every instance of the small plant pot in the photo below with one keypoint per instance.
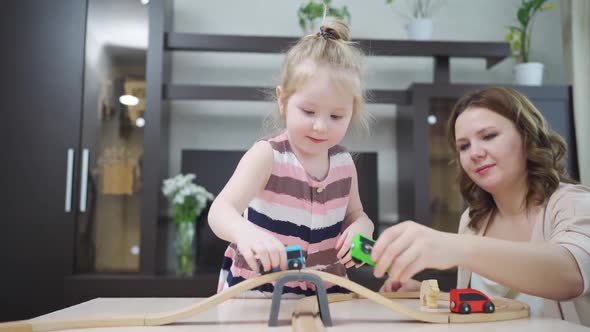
x,y
529,73
420,29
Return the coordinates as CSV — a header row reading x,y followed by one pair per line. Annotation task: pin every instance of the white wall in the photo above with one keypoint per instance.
x,y
236,125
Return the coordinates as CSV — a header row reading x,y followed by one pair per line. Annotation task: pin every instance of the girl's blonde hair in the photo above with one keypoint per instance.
x,y
330,47
545,150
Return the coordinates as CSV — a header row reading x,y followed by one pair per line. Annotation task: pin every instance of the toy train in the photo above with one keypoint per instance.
x,y
361,248
295,260
465,301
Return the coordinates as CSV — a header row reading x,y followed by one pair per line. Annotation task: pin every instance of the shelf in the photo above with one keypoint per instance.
x,y
492,52
207,92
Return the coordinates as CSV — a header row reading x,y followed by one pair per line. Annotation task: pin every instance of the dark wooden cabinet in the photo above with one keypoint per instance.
x,y
42,73
427,191
61,81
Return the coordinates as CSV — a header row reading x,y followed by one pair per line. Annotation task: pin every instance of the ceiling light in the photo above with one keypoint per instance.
x,y
128,100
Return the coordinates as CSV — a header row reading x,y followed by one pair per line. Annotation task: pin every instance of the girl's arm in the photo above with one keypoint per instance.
x,y
542,269
355,221
225,214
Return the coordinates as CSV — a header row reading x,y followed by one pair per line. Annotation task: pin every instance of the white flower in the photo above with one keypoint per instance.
x,y
179,187
178,199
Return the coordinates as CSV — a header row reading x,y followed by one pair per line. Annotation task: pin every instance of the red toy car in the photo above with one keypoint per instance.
x,y
465,301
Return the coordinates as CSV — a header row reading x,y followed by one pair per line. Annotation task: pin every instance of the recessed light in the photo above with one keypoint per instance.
x,y
140,122
432,120
128,100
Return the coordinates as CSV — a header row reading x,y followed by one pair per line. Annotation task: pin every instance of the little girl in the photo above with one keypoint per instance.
x,y
299,187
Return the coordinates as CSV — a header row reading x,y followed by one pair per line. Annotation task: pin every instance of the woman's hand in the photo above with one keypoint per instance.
x,y
363,226
408,248
256,244
391,285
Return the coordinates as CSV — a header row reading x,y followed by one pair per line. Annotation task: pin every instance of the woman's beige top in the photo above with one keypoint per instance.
x,y
565,220
494,289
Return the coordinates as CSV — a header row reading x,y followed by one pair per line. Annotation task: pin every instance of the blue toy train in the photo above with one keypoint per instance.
x,y
295,260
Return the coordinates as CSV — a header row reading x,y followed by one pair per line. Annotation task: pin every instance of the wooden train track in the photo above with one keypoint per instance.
x,y
505,309
306,315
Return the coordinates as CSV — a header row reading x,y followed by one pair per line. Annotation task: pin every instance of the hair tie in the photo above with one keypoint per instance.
x,y
327,34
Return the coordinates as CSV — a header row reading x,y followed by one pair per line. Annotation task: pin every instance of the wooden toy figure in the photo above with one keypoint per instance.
x,y
429,292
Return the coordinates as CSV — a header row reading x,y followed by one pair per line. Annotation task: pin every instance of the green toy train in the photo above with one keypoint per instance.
x,y
361,248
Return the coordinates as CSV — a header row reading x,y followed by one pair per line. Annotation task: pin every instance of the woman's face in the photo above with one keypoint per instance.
x,y
490,149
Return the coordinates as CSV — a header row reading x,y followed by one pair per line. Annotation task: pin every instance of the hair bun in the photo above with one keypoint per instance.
x,y
336,30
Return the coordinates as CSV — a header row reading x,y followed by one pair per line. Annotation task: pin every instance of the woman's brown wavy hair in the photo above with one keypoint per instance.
x,y
545,150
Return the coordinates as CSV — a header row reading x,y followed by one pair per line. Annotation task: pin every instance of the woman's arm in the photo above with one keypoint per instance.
x,y
410,285
554,269
541,269
225,214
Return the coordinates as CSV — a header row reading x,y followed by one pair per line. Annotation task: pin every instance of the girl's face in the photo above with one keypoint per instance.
x,y
317,115
490,149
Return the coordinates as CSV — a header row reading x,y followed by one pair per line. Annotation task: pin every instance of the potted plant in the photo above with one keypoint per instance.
x,y
420,17
310,13
188,201
519,37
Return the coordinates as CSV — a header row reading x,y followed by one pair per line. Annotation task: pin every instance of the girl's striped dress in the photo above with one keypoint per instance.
x,y
298,209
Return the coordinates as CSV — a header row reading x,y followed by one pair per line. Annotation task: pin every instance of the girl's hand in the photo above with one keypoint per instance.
x,y
256,244
391,285
362,226
408,248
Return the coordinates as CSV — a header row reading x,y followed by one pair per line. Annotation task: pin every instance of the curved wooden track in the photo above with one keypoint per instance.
x,y
306,315
505,309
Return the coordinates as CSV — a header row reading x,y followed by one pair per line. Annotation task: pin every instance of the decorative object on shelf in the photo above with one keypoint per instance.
x,y
120,170
420,17
188,201
519,37
311,13
135,88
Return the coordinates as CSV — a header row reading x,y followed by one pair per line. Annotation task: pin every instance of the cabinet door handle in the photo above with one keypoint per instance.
x,y
84,180
69,175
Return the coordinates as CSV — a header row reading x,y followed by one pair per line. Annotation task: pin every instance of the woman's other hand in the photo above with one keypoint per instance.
x,y
408,248
391,285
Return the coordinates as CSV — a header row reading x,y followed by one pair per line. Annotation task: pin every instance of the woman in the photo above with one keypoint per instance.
x,y
526,232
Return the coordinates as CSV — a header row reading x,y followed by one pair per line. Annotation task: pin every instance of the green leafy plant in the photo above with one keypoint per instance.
x,y
187,198
307,13
519,36
420,8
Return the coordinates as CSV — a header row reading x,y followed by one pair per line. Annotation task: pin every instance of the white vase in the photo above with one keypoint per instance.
x,y
420,29
529,73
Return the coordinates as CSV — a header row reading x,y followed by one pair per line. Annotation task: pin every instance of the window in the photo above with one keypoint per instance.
x,y
471,297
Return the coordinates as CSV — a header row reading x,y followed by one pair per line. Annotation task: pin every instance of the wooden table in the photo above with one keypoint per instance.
x,y
358,315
